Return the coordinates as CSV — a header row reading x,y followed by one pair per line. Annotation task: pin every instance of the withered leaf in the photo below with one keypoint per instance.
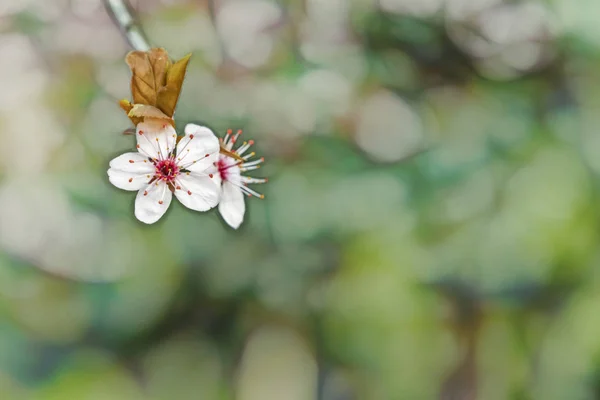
x,y
149,74
127,106
142,111
168,95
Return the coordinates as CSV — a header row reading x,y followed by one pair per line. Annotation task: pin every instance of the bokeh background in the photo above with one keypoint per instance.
x,y
430,228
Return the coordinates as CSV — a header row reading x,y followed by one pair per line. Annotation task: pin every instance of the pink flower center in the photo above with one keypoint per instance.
x,y
223,167
167,170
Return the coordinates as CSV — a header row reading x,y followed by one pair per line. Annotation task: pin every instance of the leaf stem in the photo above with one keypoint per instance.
x,y
124,18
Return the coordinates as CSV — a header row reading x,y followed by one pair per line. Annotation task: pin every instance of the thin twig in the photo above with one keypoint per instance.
x,y
122,15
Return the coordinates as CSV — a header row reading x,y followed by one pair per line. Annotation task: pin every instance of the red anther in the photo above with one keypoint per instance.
x,y
239,132
206,155
130,180
250,142
210,175
141,132
160,202
145,193
131,161
190,193
262,159
137,145
229,131
191,137
178,188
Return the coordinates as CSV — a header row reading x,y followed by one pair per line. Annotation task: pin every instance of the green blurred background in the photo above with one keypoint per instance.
x,y
430,228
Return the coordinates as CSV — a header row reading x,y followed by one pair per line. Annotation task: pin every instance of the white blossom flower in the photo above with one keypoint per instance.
x,y
162,167
228,173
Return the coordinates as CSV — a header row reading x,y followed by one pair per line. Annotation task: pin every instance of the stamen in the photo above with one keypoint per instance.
x,y
145,193
249,191
159,152
190,193
248,156
232,165
130,180
245,146
248,180
162,196
191,163
184,148
251,163
238,133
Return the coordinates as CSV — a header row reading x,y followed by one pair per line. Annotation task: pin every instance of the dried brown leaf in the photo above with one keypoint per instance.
x,y
168,95
149,74
127,106
142,111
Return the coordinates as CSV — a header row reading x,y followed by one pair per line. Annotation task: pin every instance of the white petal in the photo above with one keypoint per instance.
x,y
130,171
155,139
152,202
198,149
193,129
197,192
232,206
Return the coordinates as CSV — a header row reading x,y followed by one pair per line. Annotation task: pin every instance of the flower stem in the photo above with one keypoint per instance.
x,y
123,16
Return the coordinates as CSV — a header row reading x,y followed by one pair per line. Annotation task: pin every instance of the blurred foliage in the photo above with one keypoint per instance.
x,y
430,228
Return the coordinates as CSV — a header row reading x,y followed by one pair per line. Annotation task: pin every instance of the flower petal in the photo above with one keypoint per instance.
x,y
130,171
152,202
198,149
232,206
155,138
197,192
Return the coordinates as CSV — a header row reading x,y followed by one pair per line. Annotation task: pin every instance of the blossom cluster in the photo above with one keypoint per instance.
x,y
201,170
189,167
